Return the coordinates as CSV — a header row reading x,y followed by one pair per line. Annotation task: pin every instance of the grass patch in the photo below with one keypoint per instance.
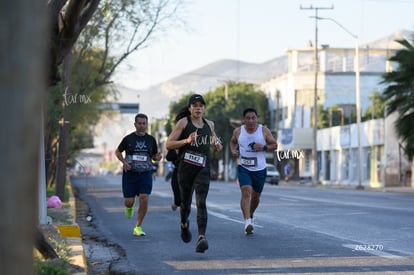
x,y
58,266
61,216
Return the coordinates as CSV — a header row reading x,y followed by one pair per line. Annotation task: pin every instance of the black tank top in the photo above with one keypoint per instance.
x,y
201,146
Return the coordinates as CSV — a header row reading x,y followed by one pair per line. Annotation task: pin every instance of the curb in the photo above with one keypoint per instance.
x,y
72,235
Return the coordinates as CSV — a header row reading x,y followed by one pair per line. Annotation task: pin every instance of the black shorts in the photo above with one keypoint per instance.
x,y
135,183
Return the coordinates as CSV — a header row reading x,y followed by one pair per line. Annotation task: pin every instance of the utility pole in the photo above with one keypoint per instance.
x,y
63,149
315,92
277,113
226,151
277,120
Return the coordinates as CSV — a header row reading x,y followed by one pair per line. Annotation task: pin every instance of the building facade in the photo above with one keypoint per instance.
x,y
291,97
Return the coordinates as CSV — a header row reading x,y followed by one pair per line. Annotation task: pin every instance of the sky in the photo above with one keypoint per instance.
x,y
257,31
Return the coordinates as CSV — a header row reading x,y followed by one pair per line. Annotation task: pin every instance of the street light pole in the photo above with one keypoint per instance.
x,y
358,111
226,152
315,108
315,95
357,95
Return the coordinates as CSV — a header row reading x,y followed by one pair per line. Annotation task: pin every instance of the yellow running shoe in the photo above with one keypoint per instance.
x,y
138,231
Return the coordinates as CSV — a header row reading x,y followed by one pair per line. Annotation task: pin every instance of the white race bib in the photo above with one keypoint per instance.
x,y
195,158
139,158
248,162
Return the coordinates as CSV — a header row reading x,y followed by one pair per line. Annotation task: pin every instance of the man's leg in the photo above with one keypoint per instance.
x,y
254,202
245,182
142,208
144,189
258,183
128,190
245,204
129,202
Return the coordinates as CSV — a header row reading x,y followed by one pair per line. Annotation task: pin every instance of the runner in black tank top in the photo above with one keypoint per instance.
x,y
193,135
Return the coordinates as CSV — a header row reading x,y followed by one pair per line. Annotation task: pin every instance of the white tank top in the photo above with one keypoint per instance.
x,y
249,158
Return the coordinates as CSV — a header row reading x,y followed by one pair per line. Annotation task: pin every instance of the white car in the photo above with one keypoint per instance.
x,y
272,175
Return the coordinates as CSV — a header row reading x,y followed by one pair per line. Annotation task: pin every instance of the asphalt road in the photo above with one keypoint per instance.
x,y
299,230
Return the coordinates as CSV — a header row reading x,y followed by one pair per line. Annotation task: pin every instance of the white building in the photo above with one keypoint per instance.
x,y
291,97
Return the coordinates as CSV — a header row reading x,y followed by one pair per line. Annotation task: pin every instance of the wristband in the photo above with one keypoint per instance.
x,y
265,148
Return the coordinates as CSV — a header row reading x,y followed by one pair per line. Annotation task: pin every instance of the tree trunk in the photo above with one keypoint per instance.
x,y
43,245
51,168
64,131
22,91
51,155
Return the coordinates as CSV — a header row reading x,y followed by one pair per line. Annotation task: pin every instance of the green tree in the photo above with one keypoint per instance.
x,y
117,29
226,113
120,28
323,118
399,96
67,19
376,110
81,106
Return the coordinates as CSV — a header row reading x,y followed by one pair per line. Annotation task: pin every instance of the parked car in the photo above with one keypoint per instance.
x,y
272,175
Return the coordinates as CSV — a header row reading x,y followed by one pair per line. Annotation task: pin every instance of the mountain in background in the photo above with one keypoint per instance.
x,y
155,100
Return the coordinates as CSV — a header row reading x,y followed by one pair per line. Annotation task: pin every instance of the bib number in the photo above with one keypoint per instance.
x,y
140,158
139,163
195,159
248,162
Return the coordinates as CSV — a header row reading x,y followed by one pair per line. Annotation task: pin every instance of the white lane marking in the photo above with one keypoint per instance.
x,y
210,211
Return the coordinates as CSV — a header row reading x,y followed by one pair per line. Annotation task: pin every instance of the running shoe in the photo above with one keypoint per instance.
x,y
202,245
248,229
138,231
185,233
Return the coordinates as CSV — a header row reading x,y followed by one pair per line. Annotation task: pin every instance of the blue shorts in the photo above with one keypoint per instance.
x,y
135,183
255,179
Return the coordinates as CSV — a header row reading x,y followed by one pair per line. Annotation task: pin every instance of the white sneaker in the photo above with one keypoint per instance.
x,y
248,229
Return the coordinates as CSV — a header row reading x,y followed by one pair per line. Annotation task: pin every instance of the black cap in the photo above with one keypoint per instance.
x,y
194,98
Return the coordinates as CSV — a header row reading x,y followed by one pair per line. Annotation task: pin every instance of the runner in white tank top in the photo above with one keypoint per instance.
x,y
249,158
249,143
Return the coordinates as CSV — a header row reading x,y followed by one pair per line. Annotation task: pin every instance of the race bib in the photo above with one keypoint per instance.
x,y
248,162
195,158
139,163
139,158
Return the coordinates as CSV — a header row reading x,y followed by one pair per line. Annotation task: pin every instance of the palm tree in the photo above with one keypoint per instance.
x,y
399,96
